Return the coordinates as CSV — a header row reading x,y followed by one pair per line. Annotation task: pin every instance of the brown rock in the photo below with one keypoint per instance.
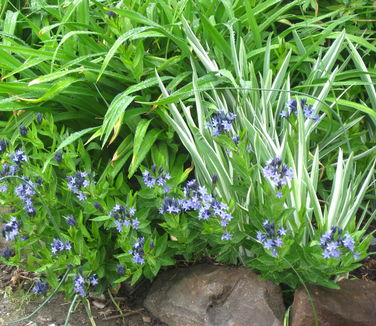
x,y
215,296
353,305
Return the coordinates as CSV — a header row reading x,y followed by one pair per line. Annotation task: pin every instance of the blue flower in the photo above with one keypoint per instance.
x,y
123,216
3,145
79,285
292,108
120,269
93,280
58,157
71,221
57,246
156,177
7,253
77,182
333,243
137,251
98,206
171,206
40,287
39,117
221,122
11,229
18,156
23,131
269,239
226,236
278,173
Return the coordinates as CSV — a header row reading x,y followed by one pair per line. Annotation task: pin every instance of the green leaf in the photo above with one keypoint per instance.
x,y
147,143
101,218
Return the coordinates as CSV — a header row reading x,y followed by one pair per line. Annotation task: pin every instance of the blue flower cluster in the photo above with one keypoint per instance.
x,y
332,242
279,174
71,221
3,145
123,217
80,283
8,170
156,177
197,198
137,251
11,229
18,157
25,191
292,108
120,269
57,246
271,239
40,287
7,253
77,183
221,122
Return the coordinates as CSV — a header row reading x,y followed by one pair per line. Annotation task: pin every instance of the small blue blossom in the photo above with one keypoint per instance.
x,y
7,253
269,239
58,157
18,157
334,243
23,131
3,145
279,174
40,287
221,122
39,117
226,236
112,14
236,140
98,206
137,251
25,191
292,108
77,182
57,246
155,177
79,285
171,206
93,280
11,229
71,221
120,269
123,216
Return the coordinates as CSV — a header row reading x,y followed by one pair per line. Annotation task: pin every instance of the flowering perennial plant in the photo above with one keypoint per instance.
x,y
272,238
292,108
123,217
57,246
196,198
40,287
221,122
81,284
334,244
11,229
156,177
77,183
278,173
137,251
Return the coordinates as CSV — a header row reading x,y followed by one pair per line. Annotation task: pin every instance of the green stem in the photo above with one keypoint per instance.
x,y
70,310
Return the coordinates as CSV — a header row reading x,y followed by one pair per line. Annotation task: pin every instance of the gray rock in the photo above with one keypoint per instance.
x,y
353,305
206,295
